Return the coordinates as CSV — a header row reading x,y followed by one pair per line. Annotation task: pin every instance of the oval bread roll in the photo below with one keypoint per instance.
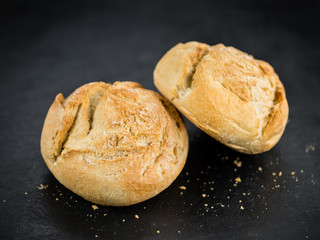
x,y
233,97
114,144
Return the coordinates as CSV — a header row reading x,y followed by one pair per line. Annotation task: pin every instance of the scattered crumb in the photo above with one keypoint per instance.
x,y
25,193
182,187
244,194
179,231
310,148
260,169
4,201
280,174
206,205
228,197
42,187
238,179
105,214
237,163
241,207
204,195
240,201
57,199
211,188
293,173
274,174
158,231
96,236
136,216
123,220
94,207
301,170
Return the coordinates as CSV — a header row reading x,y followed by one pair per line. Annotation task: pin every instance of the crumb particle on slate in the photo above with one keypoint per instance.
x,y
42,187
310,148
136,216
94,207
182,187
158,231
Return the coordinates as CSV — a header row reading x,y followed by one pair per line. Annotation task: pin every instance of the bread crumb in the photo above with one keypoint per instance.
x,y
280,174
204,195
158,231
25,193
237,163
136,216
94,207
42,187
211,188
4,201
260,169
182,187
105,214
206,205
274,174
96,236
241,207
240,201
57,199
310,148
293,173
238,179
123,220
179,231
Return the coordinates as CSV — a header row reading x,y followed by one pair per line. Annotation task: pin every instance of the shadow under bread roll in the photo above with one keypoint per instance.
x,y
233,97
114,144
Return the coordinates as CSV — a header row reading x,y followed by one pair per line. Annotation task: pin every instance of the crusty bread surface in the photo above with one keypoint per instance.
x,y
233,97
114,144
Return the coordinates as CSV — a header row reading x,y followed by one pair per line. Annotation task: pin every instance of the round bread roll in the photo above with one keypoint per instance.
x,y
114,144
233,97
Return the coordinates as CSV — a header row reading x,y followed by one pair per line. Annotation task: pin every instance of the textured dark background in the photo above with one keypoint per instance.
x,y
47,47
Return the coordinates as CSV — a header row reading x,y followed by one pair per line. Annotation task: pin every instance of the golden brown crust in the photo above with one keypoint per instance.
x,y
114,144
235,98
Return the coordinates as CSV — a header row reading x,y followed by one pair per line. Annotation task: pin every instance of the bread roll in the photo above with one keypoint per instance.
x,y
114,144
233,97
